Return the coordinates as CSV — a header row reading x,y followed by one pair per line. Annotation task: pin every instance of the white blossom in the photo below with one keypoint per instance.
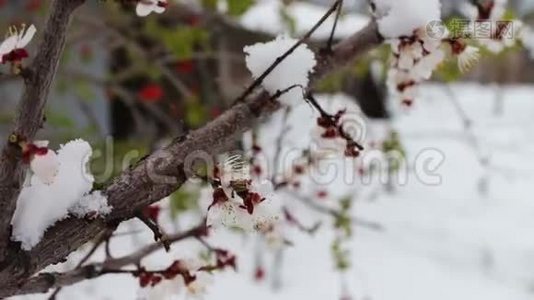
x,y
469,56
268,212
233,214
233,169
146,7
415,57
425,67
44,164
17,39
229,214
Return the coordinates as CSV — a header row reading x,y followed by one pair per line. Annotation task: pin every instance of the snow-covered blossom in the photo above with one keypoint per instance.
x,y
294,70
40,205
146,7
43,162
12,48
415,57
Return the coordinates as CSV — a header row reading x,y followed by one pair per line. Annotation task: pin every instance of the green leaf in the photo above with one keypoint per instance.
x,y
195,114
59,119
239,7
209,4
84,90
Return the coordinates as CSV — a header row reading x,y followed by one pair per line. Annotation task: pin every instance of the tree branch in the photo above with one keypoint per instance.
x,y
31,110
42,283
163,172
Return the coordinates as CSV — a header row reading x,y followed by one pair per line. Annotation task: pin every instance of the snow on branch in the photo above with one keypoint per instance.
x,y
294,70
42,203
398,18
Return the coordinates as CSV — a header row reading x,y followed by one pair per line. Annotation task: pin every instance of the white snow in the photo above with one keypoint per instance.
x,y
401,17
295,69
94,203
266,16
40,205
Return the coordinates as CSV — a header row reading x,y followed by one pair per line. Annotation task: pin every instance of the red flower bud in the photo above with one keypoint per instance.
x,y
259,274
151,93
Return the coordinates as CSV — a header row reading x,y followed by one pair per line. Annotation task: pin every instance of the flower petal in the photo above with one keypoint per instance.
x,y
143,9
27,37
8,45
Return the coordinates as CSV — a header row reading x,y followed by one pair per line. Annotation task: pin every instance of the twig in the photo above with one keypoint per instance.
x,y
159,235
336,214
103,238
309,97
279,141
332,33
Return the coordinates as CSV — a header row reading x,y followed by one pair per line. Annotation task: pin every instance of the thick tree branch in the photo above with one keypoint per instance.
x,y
30,115
162,173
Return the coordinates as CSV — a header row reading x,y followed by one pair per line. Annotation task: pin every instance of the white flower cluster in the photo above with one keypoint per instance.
x,y
59,184
293,70
415,57
406,24
239,202
146,7
416,34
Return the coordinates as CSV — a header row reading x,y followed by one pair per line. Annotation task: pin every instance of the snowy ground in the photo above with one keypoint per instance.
x,y
469,237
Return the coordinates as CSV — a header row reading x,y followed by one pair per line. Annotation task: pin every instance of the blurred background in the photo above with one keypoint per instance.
x,y
131,84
